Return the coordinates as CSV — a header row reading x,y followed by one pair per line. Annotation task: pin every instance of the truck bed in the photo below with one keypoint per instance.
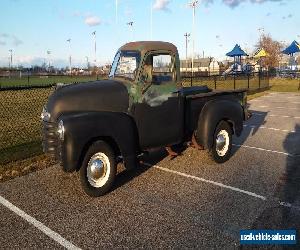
x,y
196,97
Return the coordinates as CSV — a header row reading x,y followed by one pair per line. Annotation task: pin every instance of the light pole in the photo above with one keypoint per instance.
x,y
87,62
261,31
130,25
116,11
49,63
151,20
95,47
193,5
11,58
70,57
187,35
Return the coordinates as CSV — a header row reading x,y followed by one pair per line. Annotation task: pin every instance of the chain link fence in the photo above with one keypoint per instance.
x,y
24,80
20,110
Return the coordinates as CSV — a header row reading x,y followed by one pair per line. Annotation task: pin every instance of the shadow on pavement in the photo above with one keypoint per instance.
x,y
257,119
287,191
152,158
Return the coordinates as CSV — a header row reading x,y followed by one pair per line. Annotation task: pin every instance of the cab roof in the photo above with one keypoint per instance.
x,y
145,46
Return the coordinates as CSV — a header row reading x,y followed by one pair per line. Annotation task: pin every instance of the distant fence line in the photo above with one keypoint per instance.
x,y
42,80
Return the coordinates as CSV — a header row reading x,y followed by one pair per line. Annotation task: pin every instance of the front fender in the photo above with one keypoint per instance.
x,y
212,113
81,129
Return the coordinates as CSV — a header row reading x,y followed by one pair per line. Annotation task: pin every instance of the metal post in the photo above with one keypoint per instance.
x,y
248,80
193,40
193,5
95,47
70,58
233,81
187,35
151,20
215,81
259,79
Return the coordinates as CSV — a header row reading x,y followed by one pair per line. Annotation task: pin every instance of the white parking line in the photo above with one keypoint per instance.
x,y
263,106
275,129
282,116
267,150
46,230
235,189
259,100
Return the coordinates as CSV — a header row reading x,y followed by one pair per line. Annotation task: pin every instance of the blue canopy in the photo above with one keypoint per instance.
x,y
237,51
293,48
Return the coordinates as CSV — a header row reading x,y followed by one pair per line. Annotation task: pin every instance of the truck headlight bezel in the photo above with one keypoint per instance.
x,y
61,130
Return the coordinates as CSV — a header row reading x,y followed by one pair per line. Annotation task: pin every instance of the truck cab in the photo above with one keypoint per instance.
x,y
141,105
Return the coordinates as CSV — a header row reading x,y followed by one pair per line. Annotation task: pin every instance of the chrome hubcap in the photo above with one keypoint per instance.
x,y
222,142
98,170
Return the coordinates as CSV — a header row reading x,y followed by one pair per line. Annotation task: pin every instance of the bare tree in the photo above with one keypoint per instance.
x,y
273,48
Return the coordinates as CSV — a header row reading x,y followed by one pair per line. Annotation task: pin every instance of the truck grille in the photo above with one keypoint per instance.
x,y
50,141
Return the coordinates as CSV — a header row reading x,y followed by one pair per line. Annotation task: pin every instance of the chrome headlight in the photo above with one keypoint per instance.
x,y
45,115
61,130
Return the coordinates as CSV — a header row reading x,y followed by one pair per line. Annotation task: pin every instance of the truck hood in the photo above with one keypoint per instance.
x,y
105,95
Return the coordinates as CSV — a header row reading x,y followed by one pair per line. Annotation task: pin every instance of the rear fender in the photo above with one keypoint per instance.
x,y
212,113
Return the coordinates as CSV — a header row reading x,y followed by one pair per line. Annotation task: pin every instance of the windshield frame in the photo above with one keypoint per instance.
x,y
116,62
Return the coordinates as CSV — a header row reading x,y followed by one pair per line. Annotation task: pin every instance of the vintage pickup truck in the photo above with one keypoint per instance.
x,y
142,105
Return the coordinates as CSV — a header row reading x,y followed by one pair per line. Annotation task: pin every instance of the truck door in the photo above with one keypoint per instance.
x,y
159,114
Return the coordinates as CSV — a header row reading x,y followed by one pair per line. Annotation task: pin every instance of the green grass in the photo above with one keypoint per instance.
x,y
20,152
43,80
285,85
20,123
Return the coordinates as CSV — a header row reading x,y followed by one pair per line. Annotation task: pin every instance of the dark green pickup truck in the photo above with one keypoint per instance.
x,y
142,105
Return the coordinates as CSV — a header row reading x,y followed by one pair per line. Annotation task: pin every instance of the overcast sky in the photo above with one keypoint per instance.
x,y
31,27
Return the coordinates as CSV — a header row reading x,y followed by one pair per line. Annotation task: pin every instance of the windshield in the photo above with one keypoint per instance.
x,y
125,64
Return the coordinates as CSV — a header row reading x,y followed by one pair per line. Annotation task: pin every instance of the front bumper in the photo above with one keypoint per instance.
x,y
50,141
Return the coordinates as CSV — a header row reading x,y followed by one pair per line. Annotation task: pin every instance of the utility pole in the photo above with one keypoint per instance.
x,y
187,35
117,12
87,62
193,5
261,31
11,59
151,20
49,63
70,57
130,25
95,48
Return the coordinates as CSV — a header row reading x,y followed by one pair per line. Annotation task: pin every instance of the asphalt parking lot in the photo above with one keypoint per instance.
x,y
187,202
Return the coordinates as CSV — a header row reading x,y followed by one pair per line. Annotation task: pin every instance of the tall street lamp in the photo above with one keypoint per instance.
x,y
70,57
48,55
193,5
95,48
130,25
87,62
11,58
187,35
151,20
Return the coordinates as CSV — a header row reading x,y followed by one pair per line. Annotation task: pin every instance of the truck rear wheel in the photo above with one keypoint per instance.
x,y
222,143
98,169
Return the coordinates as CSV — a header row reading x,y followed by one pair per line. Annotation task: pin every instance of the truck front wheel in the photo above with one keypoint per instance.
x,y
98,169
222,143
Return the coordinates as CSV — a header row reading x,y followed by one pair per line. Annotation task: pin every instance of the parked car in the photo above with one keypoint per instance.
x,y
92,126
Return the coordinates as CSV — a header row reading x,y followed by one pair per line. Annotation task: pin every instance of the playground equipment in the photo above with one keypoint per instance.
x,y
237,66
